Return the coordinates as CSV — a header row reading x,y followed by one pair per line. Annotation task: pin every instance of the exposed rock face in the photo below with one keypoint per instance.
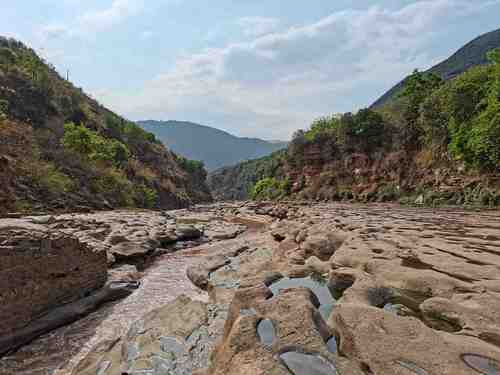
x,y
132,236
40,270
66,314
416,291
158,343
331,289
7,197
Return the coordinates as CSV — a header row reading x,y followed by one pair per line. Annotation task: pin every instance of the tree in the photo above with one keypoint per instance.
x,y
418,86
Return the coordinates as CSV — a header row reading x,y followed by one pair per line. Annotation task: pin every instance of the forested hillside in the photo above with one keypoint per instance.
x,y
60,149
436,142
472,54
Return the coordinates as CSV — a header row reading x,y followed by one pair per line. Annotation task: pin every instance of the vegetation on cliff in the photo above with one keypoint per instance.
x,y
474,53
437,142
237,182
62,149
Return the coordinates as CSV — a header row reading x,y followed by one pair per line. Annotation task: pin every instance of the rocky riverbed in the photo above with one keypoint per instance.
x,y
288,289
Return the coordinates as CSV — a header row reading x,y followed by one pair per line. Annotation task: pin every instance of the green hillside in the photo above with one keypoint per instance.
x,y
62,149
436,142
472,54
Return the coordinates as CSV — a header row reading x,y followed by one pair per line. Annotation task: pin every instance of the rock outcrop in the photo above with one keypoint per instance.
x,y
41,270
404,281
331,289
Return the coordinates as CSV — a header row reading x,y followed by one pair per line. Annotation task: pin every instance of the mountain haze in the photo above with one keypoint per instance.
x,y
214,147
472,54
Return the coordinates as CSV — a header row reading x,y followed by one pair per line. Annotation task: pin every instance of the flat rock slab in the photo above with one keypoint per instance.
x,y
307,364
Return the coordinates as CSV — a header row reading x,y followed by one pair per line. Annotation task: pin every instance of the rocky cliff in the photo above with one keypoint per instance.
x,y
40,271
60,149
236,182
437,142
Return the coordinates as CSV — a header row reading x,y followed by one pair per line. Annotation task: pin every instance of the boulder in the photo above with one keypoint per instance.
x,y
66,314
40,271
187,232
323,245
200,274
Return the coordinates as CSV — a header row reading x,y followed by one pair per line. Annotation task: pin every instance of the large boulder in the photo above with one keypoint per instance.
x,y
323,244
199,274
187,232
41,270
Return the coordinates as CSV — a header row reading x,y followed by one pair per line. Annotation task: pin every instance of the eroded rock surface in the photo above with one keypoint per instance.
x,y
42,270
142,252
377,289
417,293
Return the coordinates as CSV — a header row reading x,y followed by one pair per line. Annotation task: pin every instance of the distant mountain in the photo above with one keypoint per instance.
x,y
216,148
472,54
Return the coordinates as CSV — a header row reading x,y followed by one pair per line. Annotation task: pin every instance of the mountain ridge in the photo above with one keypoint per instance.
x,y
216,148
469,55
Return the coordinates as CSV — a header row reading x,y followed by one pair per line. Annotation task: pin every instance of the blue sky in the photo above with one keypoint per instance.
x,y
260,68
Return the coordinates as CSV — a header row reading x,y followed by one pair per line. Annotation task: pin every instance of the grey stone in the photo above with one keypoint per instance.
x,y
307,364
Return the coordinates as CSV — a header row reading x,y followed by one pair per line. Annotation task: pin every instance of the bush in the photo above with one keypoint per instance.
x,y
113,184
270,188
53,180
146,197
190,166
79,139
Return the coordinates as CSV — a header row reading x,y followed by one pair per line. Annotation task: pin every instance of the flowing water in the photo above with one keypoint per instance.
x,y
163,281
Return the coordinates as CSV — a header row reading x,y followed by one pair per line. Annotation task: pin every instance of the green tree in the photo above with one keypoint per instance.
x,y
477,141
418,86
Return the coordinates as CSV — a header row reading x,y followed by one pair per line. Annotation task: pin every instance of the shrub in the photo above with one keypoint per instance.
x,y
78,138
191,166
55,180
146,197
48,177
270,188
114,184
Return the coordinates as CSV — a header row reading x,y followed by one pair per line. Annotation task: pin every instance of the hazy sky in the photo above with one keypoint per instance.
x,y
252,67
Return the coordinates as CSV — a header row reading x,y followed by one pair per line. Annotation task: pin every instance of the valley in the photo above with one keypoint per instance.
x,y
367,245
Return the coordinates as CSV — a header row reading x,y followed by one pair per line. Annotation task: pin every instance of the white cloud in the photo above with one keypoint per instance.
x,y
277,83
94,21
257,26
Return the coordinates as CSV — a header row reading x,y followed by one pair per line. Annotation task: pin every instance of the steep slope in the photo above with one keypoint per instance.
x,y
60,149
236,182
472,54
214,147
437,143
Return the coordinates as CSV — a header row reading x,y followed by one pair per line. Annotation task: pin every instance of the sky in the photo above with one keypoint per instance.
x,y
258,68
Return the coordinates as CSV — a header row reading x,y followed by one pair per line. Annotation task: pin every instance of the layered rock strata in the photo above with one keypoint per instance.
x,y
41,270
